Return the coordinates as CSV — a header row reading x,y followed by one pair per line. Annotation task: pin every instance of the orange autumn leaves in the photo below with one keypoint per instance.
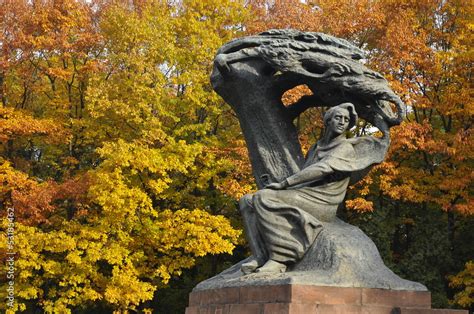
x,y
106,119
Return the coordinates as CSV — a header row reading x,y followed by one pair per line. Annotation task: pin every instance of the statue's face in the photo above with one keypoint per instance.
x,y
339,121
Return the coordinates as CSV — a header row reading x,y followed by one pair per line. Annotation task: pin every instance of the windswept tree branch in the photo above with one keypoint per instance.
x,y
302,105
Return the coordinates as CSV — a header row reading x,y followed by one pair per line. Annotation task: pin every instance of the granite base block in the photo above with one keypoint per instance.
x,y
302,299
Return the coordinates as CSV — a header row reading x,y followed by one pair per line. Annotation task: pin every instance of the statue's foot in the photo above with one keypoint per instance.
x,y
272,267
250,266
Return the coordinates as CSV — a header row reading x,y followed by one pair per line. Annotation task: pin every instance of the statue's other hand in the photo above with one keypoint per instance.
x,y
277,185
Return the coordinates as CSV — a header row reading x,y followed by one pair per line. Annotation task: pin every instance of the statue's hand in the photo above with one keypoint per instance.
x,y
277,185
221,63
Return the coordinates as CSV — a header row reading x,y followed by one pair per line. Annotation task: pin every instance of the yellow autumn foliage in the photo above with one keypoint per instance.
x,y
464,280
117,93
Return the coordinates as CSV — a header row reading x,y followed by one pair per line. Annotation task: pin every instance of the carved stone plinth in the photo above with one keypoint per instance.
x,y
297,299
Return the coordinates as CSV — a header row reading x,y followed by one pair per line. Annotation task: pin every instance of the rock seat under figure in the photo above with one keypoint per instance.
x,y
283,220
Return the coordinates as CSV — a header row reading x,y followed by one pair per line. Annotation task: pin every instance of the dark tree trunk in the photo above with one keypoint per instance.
x,y
269,132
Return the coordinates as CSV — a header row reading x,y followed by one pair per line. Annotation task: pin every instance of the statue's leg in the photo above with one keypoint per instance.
x,y
255,240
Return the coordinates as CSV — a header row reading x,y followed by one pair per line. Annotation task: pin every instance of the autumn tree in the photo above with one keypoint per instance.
x,y
110,150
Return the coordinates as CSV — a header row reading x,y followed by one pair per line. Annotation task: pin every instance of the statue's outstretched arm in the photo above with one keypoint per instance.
x,y
312,173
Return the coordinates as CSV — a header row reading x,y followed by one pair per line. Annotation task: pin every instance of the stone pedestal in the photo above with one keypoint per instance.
x,y
302,299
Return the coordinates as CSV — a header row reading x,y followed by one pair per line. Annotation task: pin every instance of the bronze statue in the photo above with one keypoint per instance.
x,y
291,223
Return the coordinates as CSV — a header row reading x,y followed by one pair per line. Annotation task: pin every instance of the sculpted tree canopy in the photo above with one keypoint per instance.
x,y
253,73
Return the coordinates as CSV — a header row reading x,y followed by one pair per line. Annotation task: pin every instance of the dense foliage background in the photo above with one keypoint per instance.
x,y
124,168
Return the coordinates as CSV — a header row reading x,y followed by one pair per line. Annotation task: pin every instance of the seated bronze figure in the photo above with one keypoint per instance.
x,y
283,219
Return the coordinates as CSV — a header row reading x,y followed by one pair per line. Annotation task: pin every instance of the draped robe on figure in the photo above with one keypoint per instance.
x,y
288,221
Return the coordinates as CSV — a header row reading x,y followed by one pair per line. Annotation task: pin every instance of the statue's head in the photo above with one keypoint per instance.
x,y
342,108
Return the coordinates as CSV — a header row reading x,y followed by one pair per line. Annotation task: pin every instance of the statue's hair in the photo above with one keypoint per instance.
x,y
349,107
